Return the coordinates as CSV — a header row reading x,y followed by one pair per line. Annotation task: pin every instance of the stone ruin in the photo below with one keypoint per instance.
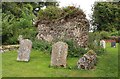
x,y
75,27
88,61
24,49
59,54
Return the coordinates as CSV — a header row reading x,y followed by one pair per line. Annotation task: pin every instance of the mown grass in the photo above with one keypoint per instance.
x,y
38,66
0,66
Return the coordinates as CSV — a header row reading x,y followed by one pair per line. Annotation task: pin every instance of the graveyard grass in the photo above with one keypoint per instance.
x,y
38,66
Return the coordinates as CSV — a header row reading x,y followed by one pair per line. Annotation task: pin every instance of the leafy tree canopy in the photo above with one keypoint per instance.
x,y
17,20
106,16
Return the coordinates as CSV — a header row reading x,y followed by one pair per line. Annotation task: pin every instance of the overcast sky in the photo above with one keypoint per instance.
x,y
85,5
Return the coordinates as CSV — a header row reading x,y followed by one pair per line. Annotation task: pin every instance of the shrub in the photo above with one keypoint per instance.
x,y
72,11
95,45
104,34
115,33
99,51
8,29
51,12
119,33
42,45
13,26
29,33
74,50
94,39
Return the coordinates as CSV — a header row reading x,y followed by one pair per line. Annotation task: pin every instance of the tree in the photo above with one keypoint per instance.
x,y
16,7
106,16
17,19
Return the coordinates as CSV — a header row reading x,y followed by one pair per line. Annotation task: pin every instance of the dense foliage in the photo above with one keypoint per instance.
x,y
56,13
94,42
106,16
15,24
43,46
17,20
74,50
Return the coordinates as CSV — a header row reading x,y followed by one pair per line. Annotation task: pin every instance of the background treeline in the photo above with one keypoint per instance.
x,y
106,16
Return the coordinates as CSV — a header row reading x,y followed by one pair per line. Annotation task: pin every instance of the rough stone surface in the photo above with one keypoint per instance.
x,y
75,28
5,48
24,49
59,54
88,61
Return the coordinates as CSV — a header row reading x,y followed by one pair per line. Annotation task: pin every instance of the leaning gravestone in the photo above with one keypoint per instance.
x,y
59,54
24,49
88,61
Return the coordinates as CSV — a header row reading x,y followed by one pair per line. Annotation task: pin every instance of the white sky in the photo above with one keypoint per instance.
x,y
85,5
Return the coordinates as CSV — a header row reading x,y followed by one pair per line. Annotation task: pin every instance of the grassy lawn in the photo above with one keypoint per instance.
x,y
39,66
0,66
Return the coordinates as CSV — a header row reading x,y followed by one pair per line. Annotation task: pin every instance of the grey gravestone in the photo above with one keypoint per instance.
x,y
24,49
88,61
59,54
113,44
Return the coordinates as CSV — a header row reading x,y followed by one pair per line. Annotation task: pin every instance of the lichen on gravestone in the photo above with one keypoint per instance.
x,y
24,49
59,54
88,61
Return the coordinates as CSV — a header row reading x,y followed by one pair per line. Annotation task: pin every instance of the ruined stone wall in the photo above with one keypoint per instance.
x,y
75,28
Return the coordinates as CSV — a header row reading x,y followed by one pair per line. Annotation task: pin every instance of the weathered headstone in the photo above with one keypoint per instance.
x,y
24,49
88,61
113,44
59,54
103,44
